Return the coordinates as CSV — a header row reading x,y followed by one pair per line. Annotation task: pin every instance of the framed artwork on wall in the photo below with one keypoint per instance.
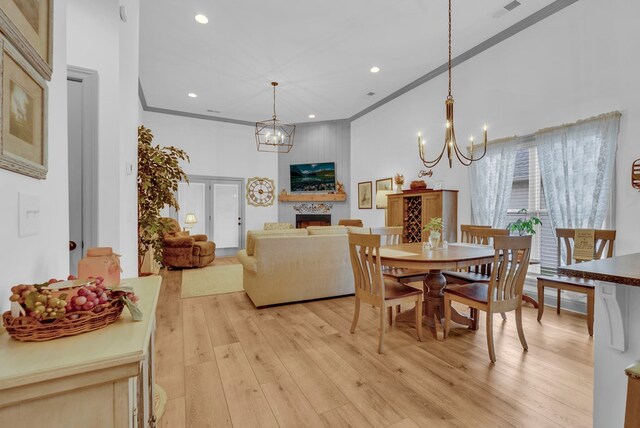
x,y
23,128
365,195
384,184
28,24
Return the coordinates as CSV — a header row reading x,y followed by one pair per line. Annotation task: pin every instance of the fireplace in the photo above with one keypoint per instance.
x,y
304,220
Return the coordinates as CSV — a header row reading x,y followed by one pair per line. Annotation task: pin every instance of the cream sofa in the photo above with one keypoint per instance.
x,y
282,266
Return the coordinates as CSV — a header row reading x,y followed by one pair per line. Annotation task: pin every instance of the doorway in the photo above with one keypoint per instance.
x,y
82,121
217,204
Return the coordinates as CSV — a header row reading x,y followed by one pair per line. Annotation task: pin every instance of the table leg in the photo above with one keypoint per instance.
x,y
433,285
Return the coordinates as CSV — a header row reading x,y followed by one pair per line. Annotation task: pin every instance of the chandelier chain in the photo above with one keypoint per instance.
x,y
274,102
449,48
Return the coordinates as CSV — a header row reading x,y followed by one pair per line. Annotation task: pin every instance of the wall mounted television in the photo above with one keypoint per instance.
x,y
313,177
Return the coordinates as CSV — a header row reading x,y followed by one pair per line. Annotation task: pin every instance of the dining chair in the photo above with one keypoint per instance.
x,y
376,289
604,240
465,229
503,293
478,273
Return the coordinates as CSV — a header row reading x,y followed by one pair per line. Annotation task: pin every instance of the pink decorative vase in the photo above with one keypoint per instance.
x,y
101,262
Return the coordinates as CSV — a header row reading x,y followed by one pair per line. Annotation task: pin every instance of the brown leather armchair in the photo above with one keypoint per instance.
x,y
182,250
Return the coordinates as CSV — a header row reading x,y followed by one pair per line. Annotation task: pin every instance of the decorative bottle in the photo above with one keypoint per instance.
x,y
101,262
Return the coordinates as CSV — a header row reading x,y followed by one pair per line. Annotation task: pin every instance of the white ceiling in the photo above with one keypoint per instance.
x,y
320,52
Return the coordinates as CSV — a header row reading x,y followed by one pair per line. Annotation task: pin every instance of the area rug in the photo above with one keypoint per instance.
x,y
211,280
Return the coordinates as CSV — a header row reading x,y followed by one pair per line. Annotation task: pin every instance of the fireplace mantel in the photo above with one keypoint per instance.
x,y
312,197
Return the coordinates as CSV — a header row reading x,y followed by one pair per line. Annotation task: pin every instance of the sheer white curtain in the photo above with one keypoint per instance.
x,y
576,164
490,180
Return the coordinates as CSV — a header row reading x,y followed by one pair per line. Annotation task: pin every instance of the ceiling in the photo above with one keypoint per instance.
x,y
320,52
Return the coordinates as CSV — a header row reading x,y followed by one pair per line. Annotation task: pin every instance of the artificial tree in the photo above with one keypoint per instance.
x,y
159,173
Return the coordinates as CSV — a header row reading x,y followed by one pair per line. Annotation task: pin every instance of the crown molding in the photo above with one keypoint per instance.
x,y
516,28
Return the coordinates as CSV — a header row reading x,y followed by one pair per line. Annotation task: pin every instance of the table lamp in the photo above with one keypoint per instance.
x,y
382,201
189,220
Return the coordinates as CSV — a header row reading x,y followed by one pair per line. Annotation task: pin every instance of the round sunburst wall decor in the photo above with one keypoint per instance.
x,y
260,191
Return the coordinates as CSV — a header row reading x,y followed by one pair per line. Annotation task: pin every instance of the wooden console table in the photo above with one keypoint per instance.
x,y
103,378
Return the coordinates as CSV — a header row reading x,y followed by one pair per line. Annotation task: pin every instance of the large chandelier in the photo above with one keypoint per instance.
x,y
450,144
273,135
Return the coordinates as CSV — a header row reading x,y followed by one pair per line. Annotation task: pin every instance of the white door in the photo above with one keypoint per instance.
x,y
226,215
74,122
192,199
217,204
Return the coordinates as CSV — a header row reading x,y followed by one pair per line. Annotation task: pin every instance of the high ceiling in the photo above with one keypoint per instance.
x,y
319,51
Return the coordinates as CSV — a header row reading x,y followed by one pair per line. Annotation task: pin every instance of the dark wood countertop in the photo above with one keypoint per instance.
x,y
620,270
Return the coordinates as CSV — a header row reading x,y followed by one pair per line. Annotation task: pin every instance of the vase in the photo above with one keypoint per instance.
x,y
434,238
398,188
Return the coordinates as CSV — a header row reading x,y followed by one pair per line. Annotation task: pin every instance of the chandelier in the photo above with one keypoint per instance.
x,y
450,144
273,135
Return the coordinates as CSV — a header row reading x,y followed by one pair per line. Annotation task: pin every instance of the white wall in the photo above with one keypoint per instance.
x,y
578,63
218,149
98,40
37,258
129,119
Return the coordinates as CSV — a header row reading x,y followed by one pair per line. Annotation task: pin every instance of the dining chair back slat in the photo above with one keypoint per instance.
x,y
465,232
604,240
390,235
512,261
365,262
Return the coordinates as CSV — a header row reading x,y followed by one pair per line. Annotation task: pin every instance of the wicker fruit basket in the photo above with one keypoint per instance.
x,y
29,329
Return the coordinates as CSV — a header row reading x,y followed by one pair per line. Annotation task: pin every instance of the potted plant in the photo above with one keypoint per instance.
x,y
524,225
434,227
159,173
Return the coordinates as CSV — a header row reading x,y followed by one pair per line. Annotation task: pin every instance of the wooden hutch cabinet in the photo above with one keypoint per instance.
x,y
413,210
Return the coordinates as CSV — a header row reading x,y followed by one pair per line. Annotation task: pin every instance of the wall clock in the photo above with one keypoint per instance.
x,y
260,191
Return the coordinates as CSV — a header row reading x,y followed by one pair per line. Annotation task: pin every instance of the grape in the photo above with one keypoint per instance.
x,y
80,300
91,296
88,306
72,277
103,299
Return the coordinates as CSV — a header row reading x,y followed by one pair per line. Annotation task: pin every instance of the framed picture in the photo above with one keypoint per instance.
x,y
384,184
28,24
23,128
365,195
438,185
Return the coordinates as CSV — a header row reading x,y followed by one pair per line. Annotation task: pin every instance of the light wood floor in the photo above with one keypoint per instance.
x,y
225,363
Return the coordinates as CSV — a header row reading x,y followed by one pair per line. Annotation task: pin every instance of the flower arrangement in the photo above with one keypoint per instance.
x,y
399,180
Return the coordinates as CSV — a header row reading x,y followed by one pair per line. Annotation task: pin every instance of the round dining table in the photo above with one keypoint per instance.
x,y
434,261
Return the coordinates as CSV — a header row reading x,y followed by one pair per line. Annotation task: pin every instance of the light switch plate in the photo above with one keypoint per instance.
x,y
128,168
29,214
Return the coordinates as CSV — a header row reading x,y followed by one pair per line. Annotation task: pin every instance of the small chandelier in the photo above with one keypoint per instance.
x,y
273,135
450,144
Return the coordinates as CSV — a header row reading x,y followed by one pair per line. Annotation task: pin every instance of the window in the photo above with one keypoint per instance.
x,y
528,192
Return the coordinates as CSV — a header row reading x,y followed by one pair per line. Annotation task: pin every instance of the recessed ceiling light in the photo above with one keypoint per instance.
x,y
374,69
312,116
202,19
192,95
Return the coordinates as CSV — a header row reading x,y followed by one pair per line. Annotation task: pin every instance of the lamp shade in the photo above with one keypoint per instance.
x,y
190,218
381,198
